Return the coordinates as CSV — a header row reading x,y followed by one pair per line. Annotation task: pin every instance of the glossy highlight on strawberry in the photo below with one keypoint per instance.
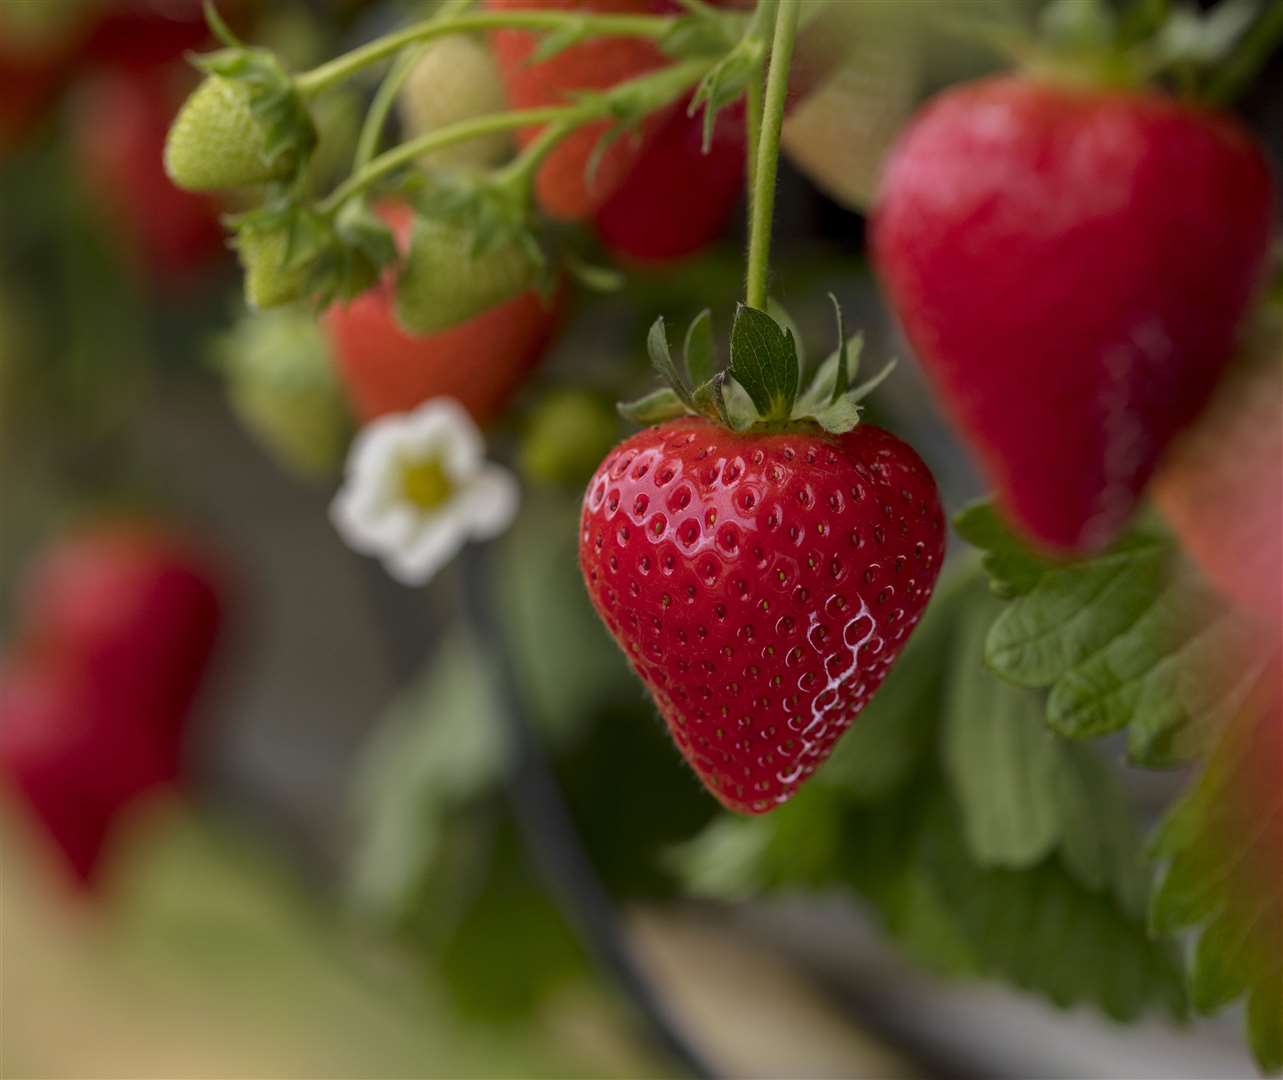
x,y
761,586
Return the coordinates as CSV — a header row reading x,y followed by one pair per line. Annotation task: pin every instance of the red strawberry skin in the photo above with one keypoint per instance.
x,y
562,185
761,586
677,199
116,630
119,126
1072,265
481,362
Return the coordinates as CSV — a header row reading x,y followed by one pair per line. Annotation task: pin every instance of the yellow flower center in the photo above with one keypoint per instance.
x,y
426,483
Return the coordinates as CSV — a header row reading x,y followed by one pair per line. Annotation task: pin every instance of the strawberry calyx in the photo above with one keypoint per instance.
x,y
761,388
292,252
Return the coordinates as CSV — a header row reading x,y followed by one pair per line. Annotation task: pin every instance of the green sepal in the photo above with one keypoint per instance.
x,y
764,362
662,357
724,85
285,133
708,31
655,407
833,398
593,276
701,360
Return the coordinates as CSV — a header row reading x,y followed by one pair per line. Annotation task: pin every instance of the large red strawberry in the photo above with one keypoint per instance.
x,y
115,633
120,122
563,186
677,198
1072,265
761,582
481,361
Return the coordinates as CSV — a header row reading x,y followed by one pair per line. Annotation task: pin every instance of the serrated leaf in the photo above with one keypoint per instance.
x,y
1045,932
1224,843
764,362
655,407
1127,639
1012,567
698,350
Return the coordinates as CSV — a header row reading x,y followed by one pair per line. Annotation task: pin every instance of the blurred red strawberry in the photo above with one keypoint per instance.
x,y
563,185
115,631
481,362
118,127
138,35
677,199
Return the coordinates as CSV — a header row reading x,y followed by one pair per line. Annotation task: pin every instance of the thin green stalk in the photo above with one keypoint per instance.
x,y
643,26
753,104
367,143
1248,57
434,140
768,153
658,87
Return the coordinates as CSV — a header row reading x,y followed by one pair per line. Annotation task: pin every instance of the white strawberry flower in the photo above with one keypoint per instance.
x,y
417,487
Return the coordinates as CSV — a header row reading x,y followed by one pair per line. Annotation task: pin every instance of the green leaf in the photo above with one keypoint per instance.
x,y
1224,846
1044,931
764,362
654,408
1001,760
1128,639
701,360
1012,567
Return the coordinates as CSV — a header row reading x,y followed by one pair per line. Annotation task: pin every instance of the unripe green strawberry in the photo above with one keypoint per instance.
x,y
218,142
455,79
269,281
282,385
445,282
569,432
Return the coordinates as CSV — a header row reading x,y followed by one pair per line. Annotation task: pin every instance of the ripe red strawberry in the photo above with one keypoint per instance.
x,y
1072,265
562,185
761,585
481,362
677,199
119,125
116,629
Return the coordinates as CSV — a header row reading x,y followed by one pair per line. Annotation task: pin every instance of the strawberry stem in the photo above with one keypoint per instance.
x,y
768,152
652,27
367,143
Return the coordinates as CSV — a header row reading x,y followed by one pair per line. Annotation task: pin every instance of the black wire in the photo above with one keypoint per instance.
x,y
549,832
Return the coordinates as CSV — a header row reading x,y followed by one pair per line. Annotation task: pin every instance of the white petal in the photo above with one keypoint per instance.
x,y
442,428
375,446
371,522
436,543
490,502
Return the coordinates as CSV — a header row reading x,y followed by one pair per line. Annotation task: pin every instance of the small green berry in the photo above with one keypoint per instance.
x,y
217,141
568,433
269,282
443,282
282,385
455,79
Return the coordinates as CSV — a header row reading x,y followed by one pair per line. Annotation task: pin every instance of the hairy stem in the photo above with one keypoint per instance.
x,y
434,140
333,71
768,153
